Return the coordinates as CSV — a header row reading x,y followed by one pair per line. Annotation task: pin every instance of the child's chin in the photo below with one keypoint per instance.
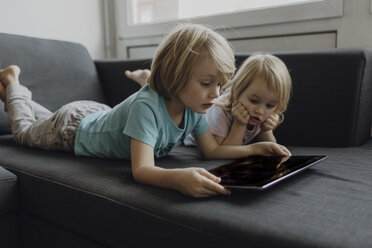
x,y
200,111
254,123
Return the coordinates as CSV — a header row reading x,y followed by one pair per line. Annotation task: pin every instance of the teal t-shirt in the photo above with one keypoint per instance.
x,y
142,116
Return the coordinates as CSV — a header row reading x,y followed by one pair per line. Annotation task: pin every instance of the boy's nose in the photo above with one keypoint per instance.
x,y
215,92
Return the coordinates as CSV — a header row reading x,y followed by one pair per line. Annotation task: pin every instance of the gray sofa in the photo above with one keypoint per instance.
x,y
55,199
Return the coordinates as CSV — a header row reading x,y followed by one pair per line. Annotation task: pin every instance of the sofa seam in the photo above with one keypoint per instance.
x,y
359,102
8,179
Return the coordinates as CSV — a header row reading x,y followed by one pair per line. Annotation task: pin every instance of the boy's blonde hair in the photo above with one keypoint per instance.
x,y
271,69
179,53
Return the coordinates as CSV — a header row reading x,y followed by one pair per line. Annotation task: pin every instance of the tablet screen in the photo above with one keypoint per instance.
x,y
259,172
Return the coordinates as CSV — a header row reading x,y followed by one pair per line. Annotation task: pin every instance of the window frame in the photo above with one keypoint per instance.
x,y
305,11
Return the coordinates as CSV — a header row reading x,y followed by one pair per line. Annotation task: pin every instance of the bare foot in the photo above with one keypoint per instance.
x,y
139,76
10,75
2,92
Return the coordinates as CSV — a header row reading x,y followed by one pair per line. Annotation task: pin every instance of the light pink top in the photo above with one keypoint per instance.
x,y
220,122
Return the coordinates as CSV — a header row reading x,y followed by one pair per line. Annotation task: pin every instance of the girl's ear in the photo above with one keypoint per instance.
x,y
281,118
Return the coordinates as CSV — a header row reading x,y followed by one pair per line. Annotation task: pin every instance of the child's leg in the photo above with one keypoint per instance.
x,y
50,131
40,112
21,115
17,98
26,128
139,76
56,132
11,74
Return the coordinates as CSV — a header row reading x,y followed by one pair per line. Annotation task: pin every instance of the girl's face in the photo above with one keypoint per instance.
x,y
259,101
203,88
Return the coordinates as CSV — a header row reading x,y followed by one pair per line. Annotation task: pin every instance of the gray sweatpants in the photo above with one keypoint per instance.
x,y
34,126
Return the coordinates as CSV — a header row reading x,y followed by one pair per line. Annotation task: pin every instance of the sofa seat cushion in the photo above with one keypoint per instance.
x,y
327,205
8,192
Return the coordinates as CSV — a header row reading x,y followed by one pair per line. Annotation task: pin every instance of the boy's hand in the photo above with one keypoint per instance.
x,y
271,123
198,182
240,113
269,149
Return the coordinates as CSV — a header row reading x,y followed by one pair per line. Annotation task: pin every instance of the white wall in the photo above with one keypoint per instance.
x,y
78,21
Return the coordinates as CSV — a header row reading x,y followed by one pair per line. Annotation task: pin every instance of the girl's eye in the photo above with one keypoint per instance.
x,y
270,106
205,84
253,101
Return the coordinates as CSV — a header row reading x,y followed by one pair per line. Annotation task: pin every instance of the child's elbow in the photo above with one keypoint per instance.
x,y
210,152
137,175
207,155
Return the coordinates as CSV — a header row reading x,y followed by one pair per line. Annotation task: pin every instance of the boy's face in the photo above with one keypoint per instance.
x,y
203,88
259,100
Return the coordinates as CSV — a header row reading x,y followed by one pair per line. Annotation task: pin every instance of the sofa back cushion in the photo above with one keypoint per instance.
x,y
331,103
56,72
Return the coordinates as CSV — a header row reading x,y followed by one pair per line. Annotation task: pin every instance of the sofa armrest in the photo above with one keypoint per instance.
x,y
8,192
115,84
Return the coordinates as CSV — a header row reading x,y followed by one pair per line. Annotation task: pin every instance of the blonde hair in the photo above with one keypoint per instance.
x,y
179,53
271,69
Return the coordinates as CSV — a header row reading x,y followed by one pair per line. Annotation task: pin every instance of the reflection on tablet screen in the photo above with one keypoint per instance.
x,y
262,171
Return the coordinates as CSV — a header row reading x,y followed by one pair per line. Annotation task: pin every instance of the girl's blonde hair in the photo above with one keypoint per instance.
x,y
179,53
271,69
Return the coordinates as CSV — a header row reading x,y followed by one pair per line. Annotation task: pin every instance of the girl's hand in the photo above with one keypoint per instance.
x,y
240,113
198,182
272,122
269,149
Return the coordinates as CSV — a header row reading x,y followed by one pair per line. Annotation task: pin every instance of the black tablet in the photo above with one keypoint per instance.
x,y
261,172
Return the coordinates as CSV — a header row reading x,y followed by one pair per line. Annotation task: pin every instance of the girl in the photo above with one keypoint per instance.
x,y
253,104
189,67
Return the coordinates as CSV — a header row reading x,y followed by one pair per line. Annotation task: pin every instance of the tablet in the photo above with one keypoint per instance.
x,y
261,172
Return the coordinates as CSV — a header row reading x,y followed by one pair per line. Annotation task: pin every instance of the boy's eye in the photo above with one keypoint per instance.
x,y
206,84
253,101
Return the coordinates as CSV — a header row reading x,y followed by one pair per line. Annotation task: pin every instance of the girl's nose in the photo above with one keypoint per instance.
x,y
259,109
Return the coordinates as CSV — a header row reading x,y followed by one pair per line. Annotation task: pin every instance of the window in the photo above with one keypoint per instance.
x,y
141,24
144,18
153,11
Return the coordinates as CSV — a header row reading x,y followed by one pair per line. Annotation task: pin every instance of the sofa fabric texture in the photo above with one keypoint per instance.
x,y
69,201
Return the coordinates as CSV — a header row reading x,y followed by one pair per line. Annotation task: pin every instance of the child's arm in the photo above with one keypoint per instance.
x,y
266,136
212,150
237,129
196,182
267,128
235,136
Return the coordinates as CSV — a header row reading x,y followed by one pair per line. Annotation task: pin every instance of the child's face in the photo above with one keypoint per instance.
x,y
260,102
203,88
